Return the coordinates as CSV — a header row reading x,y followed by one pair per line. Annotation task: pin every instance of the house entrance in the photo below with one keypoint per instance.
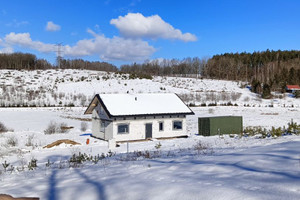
x,y
148,130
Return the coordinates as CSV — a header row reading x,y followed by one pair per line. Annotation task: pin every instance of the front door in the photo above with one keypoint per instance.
x,y
148,129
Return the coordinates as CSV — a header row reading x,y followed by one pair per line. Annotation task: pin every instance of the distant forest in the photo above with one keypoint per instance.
x,y
27,61
270,70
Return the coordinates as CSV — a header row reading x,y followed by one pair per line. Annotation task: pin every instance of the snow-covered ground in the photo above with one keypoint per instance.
x,y
223,168
77,87
192,168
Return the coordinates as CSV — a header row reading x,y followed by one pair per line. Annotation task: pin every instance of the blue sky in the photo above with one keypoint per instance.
x,y
127,31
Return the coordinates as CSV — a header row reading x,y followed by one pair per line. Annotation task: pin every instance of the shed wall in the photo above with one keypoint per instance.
x,y
220,125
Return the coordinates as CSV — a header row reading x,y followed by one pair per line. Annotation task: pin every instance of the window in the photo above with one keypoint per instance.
x,y
177,125
161,126
123,128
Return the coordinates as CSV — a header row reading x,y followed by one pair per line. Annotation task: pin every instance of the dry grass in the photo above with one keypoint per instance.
x,y
58,142
269,113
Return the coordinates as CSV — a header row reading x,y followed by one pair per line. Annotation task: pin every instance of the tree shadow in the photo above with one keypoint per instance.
x,y
52,193
100,188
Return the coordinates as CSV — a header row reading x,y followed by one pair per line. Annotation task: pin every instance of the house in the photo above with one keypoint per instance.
x,y
292,88
125,117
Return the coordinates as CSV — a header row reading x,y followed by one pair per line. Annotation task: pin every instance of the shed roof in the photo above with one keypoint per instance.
x,y
140,104
293,87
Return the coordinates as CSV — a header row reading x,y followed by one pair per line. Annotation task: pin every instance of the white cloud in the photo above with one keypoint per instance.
x,y
24,40
52,27
7,50
115,48
135,25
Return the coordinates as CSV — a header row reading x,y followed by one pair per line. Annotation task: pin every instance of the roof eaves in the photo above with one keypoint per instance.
x,y
154,114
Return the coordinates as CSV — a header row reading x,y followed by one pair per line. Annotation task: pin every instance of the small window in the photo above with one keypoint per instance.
x,y
177,125
161,126
123,128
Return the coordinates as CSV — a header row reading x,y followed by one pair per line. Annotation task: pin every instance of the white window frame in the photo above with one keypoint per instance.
x,y
175,129
123,132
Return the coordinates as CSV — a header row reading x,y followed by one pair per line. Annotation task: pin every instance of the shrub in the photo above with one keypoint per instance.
x,y
29,141
293,128
32,164
3,128
51,129
62,128
212,104
5,165
202,148
251,131
276,131
157,146
12,141
297,94
229,104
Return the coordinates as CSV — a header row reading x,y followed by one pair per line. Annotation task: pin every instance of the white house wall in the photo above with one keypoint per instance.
x,y
96,127
137,128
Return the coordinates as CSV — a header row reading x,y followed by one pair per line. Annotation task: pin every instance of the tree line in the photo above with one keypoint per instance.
x,y
27,61
20,61
164,67
266,71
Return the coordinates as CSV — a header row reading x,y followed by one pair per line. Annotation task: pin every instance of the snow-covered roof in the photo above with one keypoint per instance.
x,y
141,104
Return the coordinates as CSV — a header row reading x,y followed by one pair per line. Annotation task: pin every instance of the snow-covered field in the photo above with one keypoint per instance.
x,y
77,87
223,168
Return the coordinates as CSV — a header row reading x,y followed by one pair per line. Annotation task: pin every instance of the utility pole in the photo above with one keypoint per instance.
x,y
59,54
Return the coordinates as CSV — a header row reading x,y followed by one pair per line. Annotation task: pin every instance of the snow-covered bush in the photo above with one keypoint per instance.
x,y
202,148
12,141
29,141
53,127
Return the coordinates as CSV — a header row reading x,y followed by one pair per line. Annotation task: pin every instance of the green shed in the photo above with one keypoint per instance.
x,y
209,126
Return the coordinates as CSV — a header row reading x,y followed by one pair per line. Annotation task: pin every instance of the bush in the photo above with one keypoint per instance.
x,y
29,141
202,148
12,141
3,128
251,131
32,164
53,127
203,105
297,94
